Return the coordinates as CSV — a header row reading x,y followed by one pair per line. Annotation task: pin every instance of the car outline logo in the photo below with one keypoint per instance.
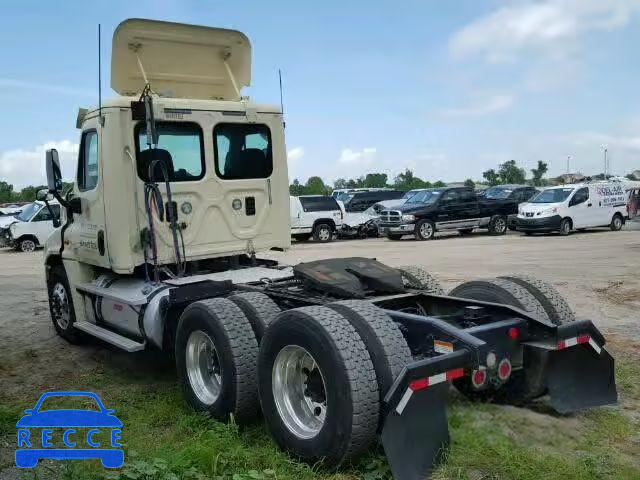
x,y
68,419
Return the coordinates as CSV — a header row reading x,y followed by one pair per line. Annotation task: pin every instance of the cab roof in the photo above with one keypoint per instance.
x,y
179,60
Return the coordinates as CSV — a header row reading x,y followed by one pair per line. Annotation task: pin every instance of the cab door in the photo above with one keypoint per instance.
x,y
86,237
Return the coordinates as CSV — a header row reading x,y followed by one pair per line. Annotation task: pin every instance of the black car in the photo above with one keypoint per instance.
x,y
454,208
360,201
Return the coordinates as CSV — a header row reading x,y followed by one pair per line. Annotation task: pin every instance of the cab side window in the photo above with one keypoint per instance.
x,y
88,161
581,196
45,215
450,197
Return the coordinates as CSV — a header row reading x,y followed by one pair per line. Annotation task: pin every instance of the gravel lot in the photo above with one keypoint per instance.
x,y
598,272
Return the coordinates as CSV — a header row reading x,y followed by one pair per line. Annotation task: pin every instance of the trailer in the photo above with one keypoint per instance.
x,y
182,181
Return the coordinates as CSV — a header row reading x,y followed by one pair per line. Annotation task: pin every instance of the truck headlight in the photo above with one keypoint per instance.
x,y
408,218
549,211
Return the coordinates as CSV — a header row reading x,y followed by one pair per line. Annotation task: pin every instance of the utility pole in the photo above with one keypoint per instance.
x,y
568,159
606,164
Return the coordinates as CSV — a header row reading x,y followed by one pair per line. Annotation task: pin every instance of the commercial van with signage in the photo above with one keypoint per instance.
x,y
575,207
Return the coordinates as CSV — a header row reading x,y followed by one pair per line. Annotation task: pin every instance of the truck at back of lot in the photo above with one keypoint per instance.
x,y
575,207
31,227
360,201
453,208
317,216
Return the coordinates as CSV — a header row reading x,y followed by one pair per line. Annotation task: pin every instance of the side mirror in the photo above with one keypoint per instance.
x,y
42,195
54,173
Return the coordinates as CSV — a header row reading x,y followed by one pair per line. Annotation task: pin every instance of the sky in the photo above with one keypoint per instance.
x,y
448,89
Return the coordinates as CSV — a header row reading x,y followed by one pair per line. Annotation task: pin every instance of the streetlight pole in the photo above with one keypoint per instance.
x,y
568,159
606,164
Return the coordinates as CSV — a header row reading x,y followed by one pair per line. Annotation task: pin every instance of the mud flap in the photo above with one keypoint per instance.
x,y
415,439
579,378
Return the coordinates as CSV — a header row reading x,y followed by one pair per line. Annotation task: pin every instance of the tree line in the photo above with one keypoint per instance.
x,y
508,172
26,194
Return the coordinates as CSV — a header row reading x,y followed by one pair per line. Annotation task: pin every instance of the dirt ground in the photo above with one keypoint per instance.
x,y
598,272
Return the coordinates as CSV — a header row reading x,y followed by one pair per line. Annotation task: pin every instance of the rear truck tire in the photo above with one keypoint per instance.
x,y
425,230
465,231
27,245
323,232
498,225
318,386
419,279
63,314
302,237
387,347
394,237
499,290
550,298
565,227
503,291
616,222
216,354
259,309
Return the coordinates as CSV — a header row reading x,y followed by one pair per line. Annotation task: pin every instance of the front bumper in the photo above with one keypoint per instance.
x,y
6,240
396,228
544,224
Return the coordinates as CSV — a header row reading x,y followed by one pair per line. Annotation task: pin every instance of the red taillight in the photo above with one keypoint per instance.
x,y
478,378
562,345
513,333
504,369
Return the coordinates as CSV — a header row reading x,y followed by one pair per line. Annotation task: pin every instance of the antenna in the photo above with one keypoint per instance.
x,y
284,124
99,77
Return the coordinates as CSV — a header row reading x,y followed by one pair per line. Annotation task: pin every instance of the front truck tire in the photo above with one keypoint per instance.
x,y
550,298
63,314
318,386
216,354
259,309
419,279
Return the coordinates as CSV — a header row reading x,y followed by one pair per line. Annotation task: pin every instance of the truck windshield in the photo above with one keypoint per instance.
x,y
427,196
553,195
410,194
28,212
497,193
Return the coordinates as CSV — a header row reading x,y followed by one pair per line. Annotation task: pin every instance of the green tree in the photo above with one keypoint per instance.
x,y
509,172
408,181
437,184
491,177
372,180
6,192
469,183
631,176
538,173
340,183
315,186
296,188
28,194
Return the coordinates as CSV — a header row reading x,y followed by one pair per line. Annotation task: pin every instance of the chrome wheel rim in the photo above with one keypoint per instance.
x,y
299,391
500,225
324,234
28,246
566,227
203,367
425,230
60,306
617,223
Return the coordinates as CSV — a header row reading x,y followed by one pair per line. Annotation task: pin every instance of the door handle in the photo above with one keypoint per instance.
x,y
589,204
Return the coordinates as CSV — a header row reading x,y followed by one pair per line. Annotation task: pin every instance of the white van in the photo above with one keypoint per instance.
x,y
574,207
31,228
319,216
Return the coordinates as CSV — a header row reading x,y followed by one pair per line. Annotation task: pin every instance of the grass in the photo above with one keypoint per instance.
x,y
165,440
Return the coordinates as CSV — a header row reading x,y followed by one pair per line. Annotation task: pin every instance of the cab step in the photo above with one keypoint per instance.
x,y
108,336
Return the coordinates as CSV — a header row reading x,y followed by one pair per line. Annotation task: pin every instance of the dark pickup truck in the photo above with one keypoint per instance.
x,y
455,208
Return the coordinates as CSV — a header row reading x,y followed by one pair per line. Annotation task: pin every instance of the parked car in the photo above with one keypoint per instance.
x,y
8,215
360,201
446,208
510,194
575,207
31,227
317,216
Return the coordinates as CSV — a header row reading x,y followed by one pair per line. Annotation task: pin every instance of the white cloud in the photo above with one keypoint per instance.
x,y
26,167
360,158
481,106
295,154
551,28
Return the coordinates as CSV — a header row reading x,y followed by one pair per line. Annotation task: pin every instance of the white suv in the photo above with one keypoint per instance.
x,y
319,216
